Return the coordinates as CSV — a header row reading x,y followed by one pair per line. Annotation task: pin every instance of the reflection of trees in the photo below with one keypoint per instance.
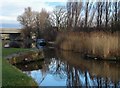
x,y
99,68
74,76
57,68
71,73
81,77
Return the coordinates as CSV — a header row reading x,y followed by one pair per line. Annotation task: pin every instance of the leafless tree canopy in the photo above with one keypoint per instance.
x,y
76,15
58,17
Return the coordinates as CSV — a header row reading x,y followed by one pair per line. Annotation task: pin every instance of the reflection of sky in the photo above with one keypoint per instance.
x,y
37,75
57,75
52,79
90,81
82,79
48,81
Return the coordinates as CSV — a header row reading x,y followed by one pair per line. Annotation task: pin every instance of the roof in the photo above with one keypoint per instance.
x,y
9,30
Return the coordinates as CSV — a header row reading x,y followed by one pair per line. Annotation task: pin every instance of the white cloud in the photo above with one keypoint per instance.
x,y
10,9
7,19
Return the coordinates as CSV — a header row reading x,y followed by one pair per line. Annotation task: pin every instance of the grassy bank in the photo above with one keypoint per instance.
x,y
8,51
11,76
100,44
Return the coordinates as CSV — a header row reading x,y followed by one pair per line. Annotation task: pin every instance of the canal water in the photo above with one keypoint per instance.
x,y
63,68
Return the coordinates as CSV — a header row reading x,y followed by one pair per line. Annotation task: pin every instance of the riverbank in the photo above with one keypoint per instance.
x,y
11,76
94,44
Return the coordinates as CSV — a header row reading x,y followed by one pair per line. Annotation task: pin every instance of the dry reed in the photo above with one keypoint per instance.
x,y
94,43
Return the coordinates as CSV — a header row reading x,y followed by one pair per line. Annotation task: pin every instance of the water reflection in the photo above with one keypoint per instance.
x,y
68,69
98,68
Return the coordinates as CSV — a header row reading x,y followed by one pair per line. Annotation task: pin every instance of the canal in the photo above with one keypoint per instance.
x,y
63,68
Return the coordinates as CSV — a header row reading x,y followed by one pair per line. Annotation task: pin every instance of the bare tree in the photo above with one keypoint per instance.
x,y
44,15
99,13
91,17
26,19
74,9
115,16
78,9
116,19
69,15
116,11
86,14
58,17
41,22
37,25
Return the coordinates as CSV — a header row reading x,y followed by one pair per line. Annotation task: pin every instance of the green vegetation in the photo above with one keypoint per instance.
x,y
11,76
0,62
8,51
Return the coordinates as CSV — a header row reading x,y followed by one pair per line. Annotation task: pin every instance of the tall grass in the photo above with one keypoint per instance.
x,y
95,43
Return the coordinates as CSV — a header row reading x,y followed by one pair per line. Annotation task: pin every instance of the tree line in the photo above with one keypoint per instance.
x,y
102,15
76,15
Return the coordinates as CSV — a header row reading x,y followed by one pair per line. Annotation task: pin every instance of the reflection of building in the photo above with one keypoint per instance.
x,y
10,33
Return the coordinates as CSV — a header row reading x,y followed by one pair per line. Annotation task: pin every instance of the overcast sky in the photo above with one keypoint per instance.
x,y
10,9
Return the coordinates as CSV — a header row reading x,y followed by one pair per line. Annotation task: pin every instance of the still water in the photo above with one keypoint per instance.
x,y
62,68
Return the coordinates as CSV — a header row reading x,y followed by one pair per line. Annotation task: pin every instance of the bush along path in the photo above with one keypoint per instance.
x,y
11,76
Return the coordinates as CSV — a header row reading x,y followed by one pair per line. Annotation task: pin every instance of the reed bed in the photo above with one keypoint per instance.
x,y
105,45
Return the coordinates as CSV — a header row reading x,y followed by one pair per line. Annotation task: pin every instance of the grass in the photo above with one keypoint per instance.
x,y
8,51
11,76
0,62
100,44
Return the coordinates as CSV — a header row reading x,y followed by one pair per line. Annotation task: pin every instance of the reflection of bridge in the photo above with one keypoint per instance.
x,y
11,33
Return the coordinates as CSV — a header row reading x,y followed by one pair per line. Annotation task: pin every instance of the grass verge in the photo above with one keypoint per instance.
x,y
11,76
8,51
